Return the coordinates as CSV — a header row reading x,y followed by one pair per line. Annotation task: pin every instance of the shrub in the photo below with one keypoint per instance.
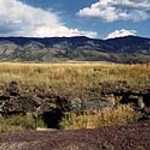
x,y
20,123
120,115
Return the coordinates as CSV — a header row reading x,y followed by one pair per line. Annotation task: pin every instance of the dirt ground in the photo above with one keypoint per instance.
x,y
131,137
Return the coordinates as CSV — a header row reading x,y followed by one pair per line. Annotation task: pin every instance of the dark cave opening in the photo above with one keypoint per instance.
x,y
53,118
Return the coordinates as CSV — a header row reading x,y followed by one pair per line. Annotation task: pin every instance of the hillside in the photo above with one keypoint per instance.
x,y
129,49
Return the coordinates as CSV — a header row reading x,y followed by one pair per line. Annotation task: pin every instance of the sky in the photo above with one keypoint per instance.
x,y
101,19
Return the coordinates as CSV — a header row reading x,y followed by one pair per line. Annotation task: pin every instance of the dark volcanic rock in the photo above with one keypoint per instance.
x,y
15,101
121,93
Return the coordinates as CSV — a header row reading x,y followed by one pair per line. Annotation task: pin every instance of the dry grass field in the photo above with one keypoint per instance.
x,y
73,78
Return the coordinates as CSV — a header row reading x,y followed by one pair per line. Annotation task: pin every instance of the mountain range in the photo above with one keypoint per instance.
x,y
130,49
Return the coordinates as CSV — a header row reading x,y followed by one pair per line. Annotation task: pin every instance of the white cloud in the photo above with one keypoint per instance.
x,y
19,19
113,10
121,33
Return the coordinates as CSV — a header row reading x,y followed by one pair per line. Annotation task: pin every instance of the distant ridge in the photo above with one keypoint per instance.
x,y
130,49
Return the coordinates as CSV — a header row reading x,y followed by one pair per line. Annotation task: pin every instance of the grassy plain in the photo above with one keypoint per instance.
x,y
76,79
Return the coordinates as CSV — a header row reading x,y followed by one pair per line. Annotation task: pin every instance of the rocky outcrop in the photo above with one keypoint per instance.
x,y
121,93
52,107
14,100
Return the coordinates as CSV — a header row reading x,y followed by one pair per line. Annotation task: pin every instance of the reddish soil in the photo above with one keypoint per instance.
x,y
131,137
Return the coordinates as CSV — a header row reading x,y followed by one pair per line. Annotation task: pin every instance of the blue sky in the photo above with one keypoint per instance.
x,y
93,18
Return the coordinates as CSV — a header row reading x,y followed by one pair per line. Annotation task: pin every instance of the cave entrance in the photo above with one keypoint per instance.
x,y
146,99
53,118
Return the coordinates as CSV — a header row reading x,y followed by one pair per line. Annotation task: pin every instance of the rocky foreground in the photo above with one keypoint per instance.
x,y
131,137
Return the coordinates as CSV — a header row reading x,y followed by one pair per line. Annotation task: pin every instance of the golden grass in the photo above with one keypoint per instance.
x,y
121,115
75,79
